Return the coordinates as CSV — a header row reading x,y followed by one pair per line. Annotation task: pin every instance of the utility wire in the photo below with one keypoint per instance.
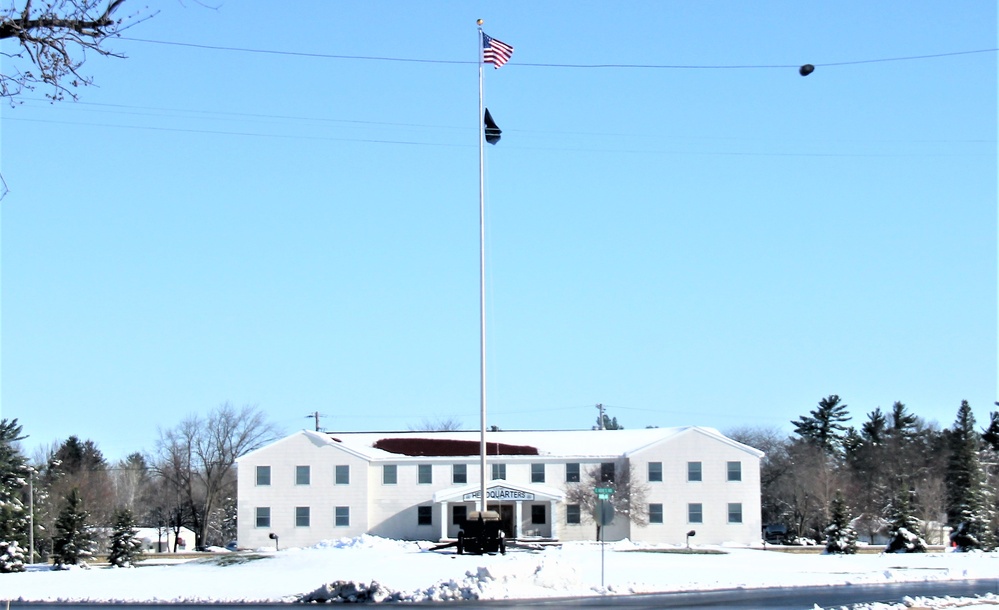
x,y
552,65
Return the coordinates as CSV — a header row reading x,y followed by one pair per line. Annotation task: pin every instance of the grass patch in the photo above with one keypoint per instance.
x,y
231,559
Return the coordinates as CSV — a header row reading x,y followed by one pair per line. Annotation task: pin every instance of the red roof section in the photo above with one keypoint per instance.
x,y
448,448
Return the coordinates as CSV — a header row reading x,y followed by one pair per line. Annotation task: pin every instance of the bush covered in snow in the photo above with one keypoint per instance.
x,y
11,557
841,538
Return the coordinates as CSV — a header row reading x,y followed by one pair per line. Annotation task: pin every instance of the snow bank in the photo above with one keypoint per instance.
x,y
372,568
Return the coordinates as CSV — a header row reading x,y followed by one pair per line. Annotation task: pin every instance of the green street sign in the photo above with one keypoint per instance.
x,y
603,492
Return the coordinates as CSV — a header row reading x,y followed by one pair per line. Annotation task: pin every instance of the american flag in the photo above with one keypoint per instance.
x,y
494,51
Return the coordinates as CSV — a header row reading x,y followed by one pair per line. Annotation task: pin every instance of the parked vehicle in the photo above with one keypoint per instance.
x,y
775,533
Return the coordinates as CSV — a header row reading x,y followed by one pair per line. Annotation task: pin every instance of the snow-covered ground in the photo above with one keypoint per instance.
x,y
408,571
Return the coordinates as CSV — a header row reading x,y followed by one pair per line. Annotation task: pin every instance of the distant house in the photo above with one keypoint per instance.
x,y
312,486
160,539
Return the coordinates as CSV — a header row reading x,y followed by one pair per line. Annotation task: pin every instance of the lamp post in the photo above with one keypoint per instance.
x,y
689,534
274,537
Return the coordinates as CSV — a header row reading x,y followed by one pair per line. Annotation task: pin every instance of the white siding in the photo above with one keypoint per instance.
x,y
283,495
714,491
392,510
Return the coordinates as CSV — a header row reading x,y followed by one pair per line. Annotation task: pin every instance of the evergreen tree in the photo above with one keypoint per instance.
x,y
125,546
991,434
81,465
824,427
607,423
14,473
865,462
841,538
905,535
903,425
874,428
73,543
967,503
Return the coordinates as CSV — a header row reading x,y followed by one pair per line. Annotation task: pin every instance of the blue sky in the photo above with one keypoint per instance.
x,y
693,243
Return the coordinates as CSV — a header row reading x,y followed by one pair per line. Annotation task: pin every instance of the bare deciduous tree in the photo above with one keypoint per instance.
x,y
630,497
133,486
197,461
54,38
441,424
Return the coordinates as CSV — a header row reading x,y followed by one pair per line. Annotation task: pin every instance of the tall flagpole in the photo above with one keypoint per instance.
x,y
482,291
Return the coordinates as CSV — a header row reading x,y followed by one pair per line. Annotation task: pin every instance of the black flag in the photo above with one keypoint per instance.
x,y
492,130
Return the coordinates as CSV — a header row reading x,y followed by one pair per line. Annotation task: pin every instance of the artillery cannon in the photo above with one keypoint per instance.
x,y
481,534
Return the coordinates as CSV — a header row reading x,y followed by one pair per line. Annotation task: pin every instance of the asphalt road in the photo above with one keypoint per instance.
x,y
785,598
780,598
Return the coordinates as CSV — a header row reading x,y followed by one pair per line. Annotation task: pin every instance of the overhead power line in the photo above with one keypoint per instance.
x,y
553,65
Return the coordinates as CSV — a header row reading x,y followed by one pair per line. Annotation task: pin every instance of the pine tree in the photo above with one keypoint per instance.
x,y
874,428
14,473
905,534
125,547
824,425
991,434
73,542
903,424
968,505
841,538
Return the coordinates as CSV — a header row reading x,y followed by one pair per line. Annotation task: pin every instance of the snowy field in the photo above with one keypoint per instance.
x,y
407,571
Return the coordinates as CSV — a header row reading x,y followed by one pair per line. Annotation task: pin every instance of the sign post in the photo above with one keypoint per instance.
x,y
605,514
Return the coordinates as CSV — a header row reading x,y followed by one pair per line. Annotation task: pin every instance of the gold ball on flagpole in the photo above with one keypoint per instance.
x,y
478,22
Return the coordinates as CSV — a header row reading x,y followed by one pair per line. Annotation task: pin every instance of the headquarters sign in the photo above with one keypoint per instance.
x,y
500,493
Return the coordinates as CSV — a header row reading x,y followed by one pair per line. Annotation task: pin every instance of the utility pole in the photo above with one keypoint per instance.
x,y
31,516
600,420
316,415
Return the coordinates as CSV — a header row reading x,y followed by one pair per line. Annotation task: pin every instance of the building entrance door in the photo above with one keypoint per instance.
x,y
506,518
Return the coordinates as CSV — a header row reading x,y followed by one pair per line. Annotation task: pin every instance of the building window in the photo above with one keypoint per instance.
x,y
459,474
655,513
655,472
607,472
263,516
537,473
499,471
343,475
424,515
303,475
572,473
301,516
425,474
263,475
735,471
693,471
694,513
572,514
538,514
341,516
389,474
735,512
459,514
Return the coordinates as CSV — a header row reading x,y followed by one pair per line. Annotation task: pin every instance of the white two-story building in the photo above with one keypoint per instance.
x,y
313,486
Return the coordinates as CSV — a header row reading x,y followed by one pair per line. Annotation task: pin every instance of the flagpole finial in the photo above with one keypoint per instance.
x,y
478,22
